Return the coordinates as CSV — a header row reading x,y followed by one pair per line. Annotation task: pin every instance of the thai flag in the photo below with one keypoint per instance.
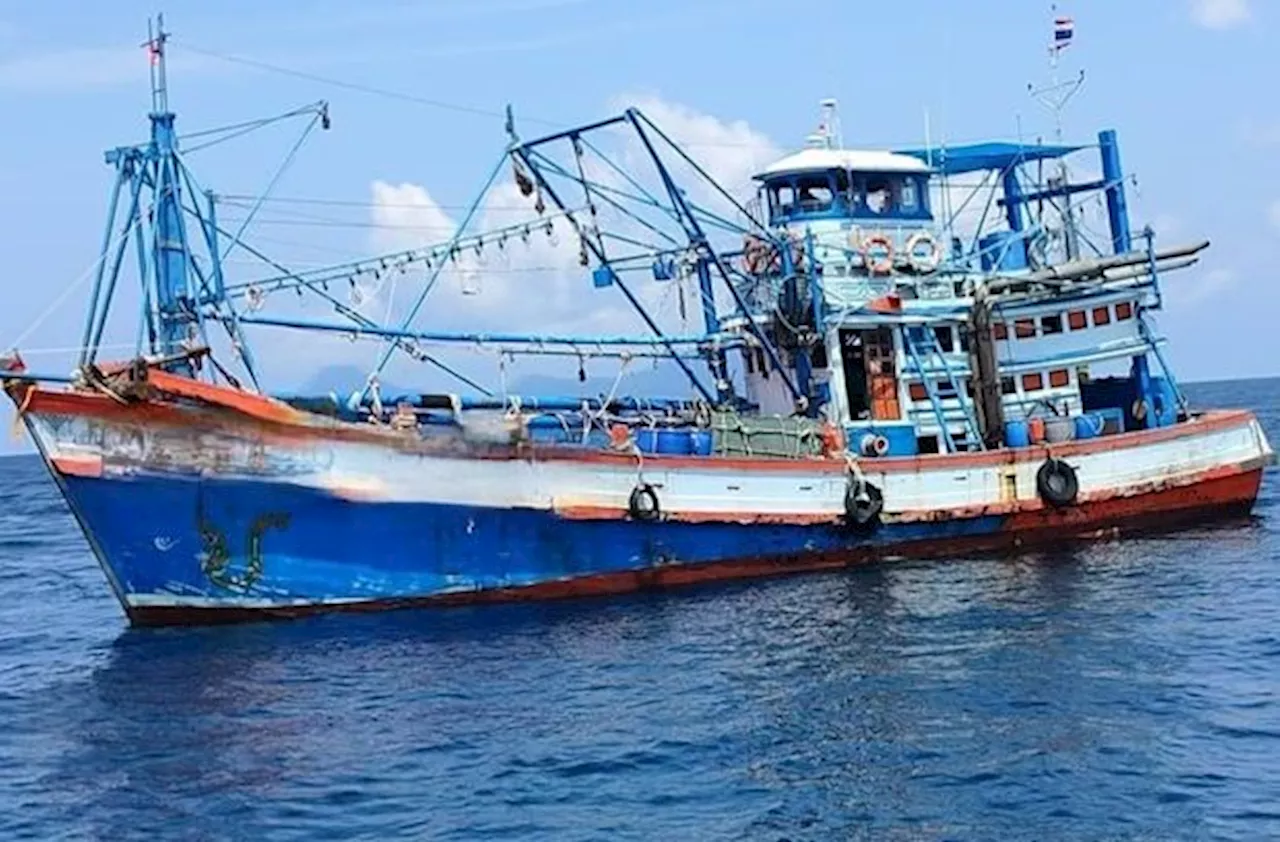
x,y
1063,31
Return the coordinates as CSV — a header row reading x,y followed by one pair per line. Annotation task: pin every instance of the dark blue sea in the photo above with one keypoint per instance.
x,y
1125,690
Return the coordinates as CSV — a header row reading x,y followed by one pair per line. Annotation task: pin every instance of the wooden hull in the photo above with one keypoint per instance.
x,y
203,513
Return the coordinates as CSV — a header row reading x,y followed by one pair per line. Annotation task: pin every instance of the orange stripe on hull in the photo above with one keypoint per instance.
x,y
229,410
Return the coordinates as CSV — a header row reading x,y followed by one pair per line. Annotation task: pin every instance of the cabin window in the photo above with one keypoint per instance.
x,y
1059,378
879,195
945,388
1051,324
1008,386
784,198
1077,320
907,195
946,339
964,339
968,387
1124,310
1101,316
1000,330
927,444
917,392
1024,328
1032,382
813,194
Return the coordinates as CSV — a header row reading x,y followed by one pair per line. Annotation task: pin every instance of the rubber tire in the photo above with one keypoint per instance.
x,y
1057,483
863,514
643,504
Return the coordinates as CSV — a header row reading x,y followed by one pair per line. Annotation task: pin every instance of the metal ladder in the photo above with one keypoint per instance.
x,y
921,344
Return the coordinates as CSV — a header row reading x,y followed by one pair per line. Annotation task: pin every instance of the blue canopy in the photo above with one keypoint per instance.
x,y
952,160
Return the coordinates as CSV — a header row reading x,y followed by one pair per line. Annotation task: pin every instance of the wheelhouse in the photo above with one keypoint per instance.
x,y
868,186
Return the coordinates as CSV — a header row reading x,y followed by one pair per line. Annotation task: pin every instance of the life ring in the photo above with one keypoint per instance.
x,y
884,265
1057,483
643,504
863,503
928,261
872,444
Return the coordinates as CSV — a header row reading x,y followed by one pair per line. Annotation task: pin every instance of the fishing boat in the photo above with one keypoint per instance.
x,y
907,353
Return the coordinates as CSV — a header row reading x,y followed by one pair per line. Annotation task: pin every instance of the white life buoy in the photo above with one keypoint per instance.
x,y
927,260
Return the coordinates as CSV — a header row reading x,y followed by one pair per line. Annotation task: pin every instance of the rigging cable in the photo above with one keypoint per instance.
x,y
355,86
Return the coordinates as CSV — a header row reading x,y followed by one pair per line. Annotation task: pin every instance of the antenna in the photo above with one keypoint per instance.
x,y
1055,96
828,135
156,38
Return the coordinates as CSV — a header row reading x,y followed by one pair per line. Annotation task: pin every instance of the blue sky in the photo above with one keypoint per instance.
x,y
1183,81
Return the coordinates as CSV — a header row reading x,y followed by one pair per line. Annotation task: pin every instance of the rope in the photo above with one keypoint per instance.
x,y
16,430
851,462
592,418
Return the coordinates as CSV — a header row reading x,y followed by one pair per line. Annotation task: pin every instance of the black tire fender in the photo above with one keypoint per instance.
x,y
643,504
863,503
1057,483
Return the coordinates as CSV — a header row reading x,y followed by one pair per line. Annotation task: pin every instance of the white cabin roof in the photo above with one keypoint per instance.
x,y
858,160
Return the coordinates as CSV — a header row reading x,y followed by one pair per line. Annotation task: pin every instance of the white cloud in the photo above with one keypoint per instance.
x,y
1220,14
406,217
730,150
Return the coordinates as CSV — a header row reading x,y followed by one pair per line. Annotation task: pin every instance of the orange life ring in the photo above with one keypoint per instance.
x,y
884,265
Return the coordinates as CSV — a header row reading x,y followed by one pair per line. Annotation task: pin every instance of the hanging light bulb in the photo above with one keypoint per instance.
x,y
470,281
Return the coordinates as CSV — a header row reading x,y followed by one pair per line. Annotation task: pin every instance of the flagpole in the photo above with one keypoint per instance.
x,y
1055,97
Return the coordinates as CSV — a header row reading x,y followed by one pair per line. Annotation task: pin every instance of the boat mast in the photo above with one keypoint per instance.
x,y
174,303
1055,97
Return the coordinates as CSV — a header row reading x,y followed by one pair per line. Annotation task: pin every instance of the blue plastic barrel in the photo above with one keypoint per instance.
x,y
1088,426
702,441
1016,433
675,442
647,439
1112,420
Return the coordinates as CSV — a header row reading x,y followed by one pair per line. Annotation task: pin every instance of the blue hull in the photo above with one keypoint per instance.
x,y
247,544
